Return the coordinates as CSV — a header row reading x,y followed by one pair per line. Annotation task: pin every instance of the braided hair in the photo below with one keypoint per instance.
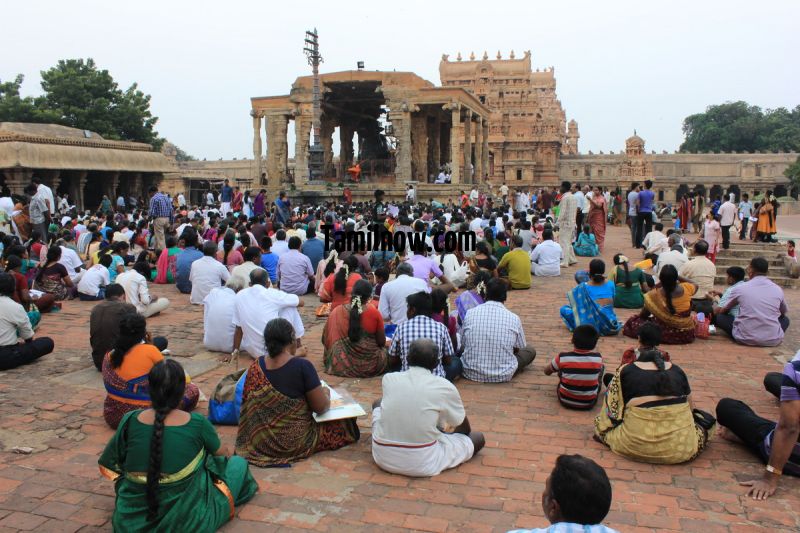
x,y
618,260
340,279
167,382
132,329
227,245
664,386
669,281
362,293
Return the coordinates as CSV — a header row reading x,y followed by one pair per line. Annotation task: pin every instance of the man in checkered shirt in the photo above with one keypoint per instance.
x,y
420,325
161,213
494,341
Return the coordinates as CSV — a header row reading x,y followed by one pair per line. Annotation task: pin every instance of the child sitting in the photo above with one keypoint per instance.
x,y
381,277
579,371
649,339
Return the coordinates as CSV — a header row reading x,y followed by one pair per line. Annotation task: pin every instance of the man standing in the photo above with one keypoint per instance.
x,y
633,220
257,305
207,273
727,215
120,204
210,199
295,273
38,211
225,198
504,193
411,195
392,303
473,196
644,217
47,194
494,341
162,214
745,212
568,208
580,198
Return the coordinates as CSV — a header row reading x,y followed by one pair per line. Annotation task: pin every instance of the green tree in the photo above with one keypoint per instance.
x,y
740,127
181,155
793,173
78,94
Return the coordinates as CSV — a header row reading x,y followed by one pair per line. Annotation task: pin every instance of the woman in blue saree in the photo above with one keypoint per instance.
x,y
586,244
592,302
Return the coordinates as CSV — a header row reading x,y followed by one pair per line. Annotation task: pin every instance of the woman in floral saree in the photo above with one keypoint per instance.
x,y
592,302
166,267
354,338
281,393
169,469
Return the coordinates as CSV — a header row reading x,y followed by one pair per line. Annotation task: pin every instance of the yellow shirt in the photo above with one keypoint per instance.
x,y
518,264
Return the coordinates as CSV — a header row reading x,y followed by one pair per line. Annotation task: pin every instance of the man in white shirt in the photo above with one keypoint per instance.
x,y
581,199
207,273
209,199
522,202
676,256
240,275
47,193
546,257
655,243
91,286
181,200
406,438
134,282
411,195
701,271
504,192
256,306
473,196
566,224
745,212
73,263
280,246
120,203
392,303
441,178
218,326
727,215
15,325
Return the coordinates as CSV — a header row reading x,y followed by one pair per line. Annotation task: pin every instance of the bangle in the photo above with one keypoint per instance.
x,y
235,351
774,471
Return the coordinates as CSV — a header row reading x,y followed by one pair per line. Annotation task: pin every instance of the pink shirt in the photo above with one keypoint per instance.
x,y
761,303
424,266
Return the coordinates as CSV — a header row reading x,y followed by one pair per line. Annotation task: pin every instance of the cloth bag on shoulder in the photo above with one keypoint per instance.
x,y
226,402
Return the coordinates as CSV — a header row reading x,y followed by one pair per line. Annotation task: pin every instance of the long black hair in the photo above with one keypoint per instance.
x,y
227,245
340,279
669,281
649,338
167,382
132,329
53,255
624,265
362,293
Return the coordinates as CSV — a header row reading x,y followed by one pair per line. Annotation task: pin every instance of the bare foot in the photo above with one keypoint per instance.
x,y
727,434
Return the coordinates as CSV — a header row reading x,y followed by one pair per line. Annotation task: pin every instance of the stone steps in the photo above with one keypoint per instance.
x,y
740,253
782,281
744,261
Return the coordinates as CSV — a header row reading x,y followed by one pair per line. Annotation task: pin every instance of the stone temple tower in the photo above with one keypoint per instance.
x,y
571,146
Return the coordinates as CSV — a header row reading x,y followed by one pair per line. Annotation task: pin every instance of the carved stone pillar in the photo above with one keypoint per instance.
x,y
455,145
302,125
468,176
17,179
485,150
257,150
277,148
110,186
477,175
419,142
326,140
434,146
79,182
401,122
133,184
346,132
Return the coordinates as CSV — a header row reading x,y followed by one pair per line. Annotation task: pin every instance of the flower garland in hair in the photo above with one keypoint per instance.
x,y
481,288
356,302
623,259
346,271
333,256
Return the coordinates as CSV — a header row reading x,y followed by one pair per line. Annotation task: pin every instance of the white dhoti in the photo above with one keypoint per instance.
x,y
224,209
421,460
545,270
565,240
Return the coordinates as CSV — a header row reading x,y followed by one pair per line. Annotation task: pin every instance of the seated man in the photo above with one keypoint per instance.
x,y
655,243
676,256
240,275
775,444
762,309
735,277
406,438
576,498
395,293
420,325
207,273
218,306
701,271
183,263
517,264
546,256
295,274
257,305
494,341
92,285
14,325
134,281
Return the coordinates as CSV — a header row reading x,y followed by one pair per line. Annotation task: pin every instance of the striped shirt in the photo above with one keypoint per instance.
x,y
579,374
568,527
790,392
160,206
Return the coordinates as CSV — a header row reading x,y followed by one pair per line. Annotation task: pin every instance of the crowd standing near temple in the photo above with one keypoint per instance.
x,y
249,262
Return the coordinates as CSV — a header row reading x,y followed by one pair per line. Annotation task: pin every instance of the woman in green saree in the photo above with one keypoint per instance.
x,y
169,469
166,267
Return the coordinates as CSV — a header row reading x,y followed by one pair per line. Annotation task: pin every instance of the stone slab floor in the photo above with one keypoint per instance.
x,y
55,407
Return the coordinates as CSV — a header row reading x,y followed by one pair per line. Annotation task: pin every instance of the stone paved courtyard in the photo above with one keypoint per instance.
x,y
55,407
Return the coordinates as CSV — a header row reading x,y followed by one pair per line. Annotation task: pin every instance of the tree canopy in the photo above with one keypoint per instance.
x,y
740,127
78,94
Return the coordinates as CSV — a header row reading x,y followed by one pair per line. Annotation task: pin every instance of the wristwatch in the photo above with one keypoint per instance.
x,y
774,471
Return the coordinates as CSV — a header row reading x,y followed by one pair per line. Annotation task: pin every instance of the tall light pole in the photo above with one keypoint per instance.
x,y
316,158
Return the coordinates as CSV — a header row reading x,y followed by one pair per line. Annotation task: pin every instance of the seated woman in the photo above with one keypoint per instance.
x,y
53,277
281,392
630,285
592,302
170,471
668,305
586,245
474,296
167,264
125,371
500,245
354,339
441,314
33,306
323,271
420,427
483,259
338,287
647,414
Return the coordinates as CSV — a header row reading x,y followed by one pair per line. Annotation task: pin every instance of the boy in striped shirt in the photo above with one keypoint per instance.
x,y
579,371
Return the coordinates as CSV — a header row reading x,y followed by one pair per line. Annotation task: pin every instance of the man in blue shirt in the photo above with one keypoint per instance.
x,y
313,248
225,198
269,261
644,217
183,264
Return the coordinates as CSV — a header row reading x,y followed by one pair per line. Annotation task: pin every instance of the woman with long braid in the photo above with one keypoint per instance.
x,y
125,371
171,472
648,414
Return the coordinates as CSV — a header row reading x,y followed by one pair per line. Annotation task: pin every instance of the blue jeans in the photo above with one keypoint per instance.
x,y
453,369
101,294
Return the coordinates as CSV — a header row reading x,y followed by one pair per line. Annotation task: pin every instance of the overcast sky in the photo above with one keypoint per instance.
x,y
619,65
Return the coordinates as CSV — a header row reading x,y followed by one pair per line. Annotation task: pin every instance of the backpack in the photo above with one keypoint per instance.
x,y
225,403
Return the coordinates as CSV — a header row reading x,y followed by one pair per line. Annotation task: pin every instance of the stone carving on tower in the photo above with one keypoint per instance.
x,y
635,166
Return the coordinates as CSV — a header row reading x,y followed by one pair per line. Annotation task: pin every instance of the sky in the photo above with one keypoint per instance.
x,y
619,65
